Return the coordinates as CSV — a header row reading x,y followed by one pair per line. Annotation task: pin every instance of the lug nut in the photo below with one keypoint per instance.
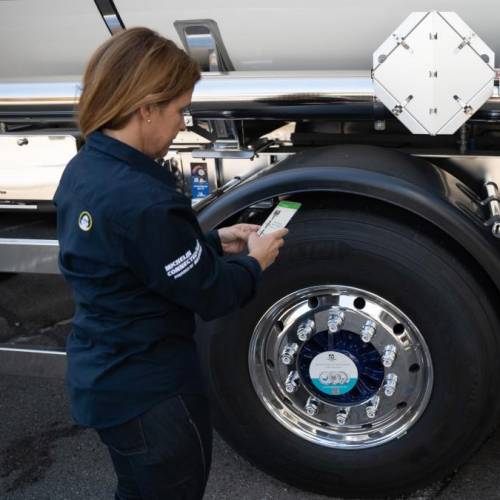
x,y
335,320
292,382
305,330
372,407
391,382
288,354
342,415
389,355
312,406
368,331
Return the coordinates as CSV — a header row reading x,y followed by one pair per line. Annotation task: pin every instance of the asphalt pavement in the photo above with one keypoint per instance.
x,y
44,456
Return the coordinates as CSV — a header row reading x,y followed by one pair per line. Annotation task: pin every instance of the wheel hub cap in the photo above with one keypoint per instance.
x,y
351,372
340,366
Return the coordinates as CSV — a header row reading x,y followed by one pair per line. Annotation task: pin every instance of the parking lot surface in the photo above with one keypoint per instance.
x,y
44,456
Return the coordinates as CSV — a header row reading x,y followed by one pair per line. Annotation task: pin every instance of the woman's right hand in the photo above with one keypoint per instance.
x,y
265,248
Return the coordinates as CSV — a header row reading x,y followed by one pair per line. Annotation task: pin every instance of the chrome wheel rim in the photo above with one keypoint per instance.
x,y
375,369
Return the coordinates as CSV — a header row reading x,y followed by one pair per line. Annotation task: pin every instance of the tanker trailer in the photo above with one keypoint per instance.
x,y
365,366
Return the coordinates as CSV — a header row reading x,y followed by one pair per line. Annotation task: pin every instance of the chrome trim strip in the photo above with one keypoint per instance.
x,y
39,93
33,362
29,256
31,351
110,15
285,94
217,95
28,242
13,206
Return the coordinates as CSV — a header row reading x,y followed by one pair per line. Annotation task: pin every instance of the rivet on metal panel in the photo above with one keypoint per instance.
x,y
397,110
466,40
401,41
468,110
382,58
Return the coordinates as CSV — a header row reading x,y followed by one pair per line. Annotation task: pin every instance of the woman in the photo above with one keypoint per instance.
x,y
140,268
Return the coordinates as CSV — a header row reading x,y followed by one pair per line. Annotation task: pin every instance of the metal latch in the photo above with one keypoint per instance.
x,y
202,40
250,153
492,201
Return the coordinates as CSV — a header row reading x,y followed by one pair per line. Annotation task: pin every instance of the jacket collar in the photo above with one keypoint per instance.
x,y
133,157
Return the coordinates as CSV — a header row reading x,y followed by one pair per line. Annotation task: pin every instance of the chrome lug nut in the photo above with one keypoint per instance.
x,y
305,330
389,355
288,354
312,406
292,382
368,331
335,320
391,382
372,407
342,415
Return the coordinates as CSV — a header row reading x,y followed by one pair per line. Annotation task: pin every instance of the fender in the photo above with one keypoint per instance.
x,y
410,183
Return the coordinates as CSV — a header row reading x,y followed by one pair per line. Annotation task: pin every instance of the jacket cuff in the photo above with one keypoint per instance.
x,y
213,240
254,271
254,267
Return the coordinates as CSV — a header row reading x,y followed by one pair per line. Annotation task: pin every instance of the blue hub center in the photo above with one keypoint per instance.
x,y
364,356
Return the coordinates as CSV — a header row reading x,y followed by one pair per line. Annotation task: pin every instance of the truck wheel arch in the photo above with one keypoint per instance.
x,y
395,179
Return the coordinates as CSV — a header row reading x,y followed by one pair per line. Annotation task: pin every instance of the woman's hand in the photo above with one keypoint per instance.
x,y
234,239
266,248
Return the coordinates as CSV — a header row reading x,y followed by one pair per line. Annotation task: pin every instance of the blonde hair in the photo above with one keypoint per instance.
x,y
135,67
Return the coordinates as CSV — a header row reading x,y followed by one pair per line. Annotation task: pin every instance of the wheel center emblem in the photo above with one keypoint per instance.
x,y
333,373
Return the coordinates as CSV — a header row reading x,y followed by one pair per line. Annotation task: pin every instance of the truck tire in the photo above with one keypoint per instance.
x,y
328,415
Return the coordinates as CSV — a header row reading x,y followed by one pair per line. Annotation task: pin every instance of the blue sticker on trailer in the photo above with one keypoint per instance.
x,y
199,180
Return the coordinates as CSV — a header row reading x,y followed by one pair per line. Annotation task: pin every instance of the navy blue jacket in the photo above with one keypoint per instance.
x,y
140,268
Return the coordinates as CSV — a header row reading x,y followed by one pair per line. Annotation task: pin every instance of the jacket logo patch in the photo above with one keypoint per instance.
x,y
183,264
85,221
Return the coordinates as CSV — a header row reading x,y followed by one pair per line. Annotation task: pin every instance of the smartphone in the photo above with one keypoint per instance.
x,y
279,217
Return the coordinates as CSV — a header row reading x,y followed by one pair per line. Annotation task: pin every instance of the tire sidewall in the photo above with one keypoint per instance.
x,y
432,289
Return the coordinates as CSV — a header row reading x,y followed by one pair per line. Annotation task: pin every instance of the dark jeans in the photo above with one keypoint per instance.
x,y
165,453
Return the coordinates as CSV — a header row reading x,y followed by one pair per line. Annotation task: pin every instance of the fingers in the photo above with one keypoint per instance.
x,y
246,228
243,231
250,227
266,248
279,233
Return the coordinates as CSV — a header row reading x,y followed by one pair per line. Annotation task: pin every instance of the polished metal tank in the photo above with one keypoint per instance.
x,y
54,38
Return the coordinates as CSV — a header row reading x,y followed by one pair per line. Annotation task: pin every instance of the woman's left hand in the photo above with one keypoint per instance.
x,y
234,239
